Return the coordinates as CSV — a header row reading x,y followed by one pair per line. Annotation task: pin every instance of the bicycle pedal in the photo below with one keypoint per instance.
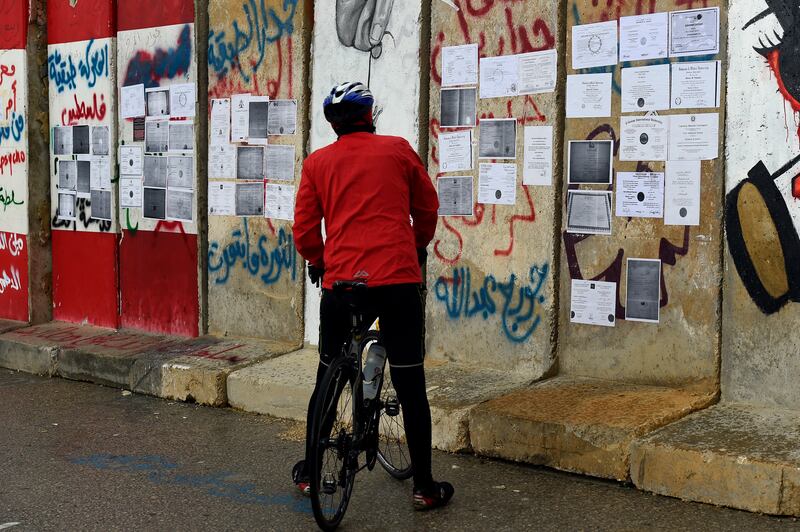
x,y
392,407
328,485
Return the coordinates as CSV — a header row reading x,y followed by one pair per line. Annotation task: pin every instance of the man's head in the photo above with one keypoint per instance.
x,y
348,108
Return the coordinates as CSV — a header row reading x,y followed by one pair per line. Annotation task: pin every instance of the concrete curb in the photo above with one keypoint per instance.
x,y
578,424
282,386
170,367
735,455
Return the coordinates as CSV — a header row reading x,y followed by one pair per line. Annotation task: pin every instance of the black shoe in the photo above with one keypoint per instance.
x,y
436,496
301,479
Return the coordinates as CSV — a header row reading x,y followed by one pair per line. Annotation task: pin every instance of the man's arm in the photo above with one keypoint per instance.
x,y
424,200
307,227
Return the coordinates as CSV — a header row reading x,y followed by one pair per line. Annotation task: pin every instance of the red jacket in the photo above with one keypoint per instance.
x,y
366,187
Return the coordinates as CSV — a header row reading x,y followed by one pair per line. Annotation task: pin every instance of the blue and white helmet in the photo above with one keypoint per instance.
x,y
348,103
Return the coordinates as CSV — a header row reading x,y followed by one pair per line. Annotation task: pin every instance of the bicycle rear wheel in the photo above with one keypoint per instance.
x,y
334,462
393,452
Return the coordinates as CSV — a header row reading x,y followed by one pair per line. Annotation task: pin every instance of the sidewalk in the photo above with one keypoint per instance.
x,y
665,440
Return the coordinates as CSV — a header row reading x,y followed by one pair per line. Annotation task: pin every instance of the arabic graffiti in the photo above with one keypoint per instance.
x,y
517,303
7,70
259,261
9,159
91,66
14,128
263,26
83,205
11,242
10,281
149,69
83,111
7,198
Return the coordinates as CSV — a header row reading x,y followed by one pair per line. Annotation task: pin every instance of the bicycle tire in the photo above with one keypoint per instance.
x,y
392,450
331,423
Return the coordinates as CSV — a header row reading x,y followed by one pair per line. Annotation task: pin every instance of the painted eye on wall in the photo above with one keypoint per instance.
x,y
782,52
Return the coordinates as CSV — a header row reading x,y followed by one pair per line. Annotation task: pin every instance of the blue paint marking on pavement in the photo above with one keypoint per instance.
x,y
162,471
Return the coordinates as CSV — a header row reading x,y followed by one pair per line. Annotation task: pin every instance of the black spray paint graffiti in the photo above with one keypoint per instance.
x,y
361,24
762,237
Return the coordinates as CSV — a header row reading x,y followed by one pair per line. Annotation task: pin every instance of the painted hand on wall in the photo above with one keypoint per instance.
x,y
361,24
762,236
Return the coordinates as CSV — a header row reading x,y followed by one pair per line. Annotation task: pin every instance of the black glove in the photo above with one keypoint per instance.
x,y
422,255
315,274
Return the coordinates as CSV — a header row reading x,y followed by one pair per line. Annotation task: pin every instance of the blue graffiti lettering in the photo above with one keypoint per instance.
x,y
14,128
517,304
149,69
93,65
263,26
262,262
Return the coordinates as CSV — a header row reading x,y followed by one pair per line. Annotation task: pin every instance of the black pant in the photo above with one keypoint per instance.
x,y
400,309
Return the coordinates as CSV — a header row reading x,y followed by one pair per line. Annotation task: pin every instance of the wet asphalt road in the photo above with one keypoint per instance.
x,y
76,456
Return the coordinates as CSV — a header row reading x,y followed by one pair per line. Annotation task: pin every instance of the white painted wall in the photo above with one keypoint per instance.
x,y
394,81
149,40
761,125
14,176
89,89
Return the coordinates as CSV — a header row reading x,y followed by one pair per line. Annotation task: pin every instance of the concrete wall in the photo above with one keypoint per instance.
x,y
392,70
255,276
762,215
684,345
160,280
492,276
81,72
14,155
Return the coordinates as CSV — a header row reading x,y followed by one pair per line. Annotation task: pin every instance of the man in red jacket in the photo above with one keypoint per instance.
x,y
367,188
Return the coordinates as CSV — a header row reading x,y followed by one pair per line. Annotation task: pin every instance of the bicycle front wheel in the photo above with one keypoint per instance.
x,y
334,461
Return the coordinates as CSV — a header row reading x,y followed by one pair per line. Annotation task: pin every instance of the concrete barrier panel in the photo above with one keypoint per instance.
x,y
255,276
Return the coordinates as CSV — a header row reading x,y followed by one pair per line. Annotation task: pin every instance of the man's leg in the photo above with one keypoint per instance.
x,y
402,328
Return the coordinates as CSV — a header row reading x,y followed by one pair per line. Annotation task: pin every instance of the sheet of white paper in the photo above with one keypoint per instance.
x,y
593,303
640,194
644,138
694,137
499,76
694,32
643,290
280,162
643,37
156,136
100,167
62,140
131,101
455,195
682,193
182,99
537,168
250,199
280,202
590,162
181,136
589,212
220,124
157,102
222,161
459,65
240,114
282,117
130,192
66,205
696,85
221,198
497,138
455,151
537,72
180,172
497,183
645,89
594,45
131,159
179,205
589,95
84,175
101,204
258,120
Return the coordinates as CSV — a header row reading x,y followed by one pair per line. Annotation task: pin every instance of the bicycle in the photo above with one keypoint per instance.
x,y
346,423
